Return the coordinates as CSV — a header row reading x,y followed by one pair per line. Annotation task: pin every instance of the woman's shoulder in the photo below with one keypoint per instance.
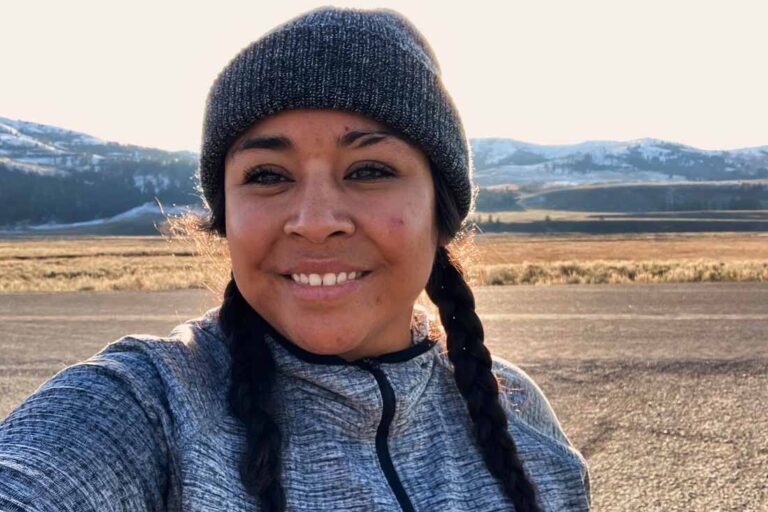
x,y
520,396
547,453
190,363
181,373
525,401
194,347
528,408
112,424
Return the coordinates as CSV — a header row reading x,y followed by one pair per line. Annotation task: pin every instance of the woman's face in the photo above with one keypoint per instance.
x,y
330,221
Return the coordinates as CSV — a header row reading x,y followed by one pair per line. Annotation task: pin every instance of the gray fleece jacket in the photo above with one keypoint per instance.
x,y
144,425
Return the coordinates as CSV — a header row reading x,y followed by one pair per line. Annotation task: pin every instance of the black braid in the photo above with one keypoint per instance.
x,y
472,370
250,397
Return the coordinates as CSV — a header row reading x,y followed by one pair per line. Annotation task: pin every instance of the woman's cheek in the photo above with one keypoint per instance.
x,y
395,225
245,217
410,229
248,228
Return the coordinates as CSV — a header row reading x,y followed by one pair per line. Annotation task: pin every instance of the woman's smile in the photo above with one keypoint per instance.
x,y
326,287
329,279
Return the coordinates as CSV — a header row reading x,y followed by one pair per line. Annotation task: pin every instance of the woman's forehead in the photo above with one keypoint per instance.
x,y
339,126
314,120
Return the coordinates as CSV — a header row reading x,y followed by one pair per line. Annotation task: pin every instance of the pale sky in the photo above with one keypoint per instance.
x,y
541,71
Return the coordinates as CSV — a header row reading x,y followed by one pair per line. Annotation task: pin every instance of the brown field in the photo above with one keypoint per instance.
x,y
101,264
155,263
520,259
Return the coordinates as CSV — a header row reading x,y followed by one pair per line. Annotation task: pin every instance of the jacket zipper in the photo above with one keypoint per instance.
x,y
382,434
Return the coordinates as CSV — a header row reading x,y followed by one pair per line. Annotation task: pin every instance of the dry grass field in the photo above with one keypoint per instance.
x,y
520,259
100,264
156,263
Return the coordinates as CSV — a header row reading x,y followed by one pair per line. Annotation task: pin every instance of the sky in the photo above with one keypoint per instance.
x,y
540,71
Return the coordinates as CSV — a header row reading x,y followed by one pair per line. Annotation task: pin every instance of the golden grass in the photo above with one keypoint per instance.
x,y
647,258
99,264
101,273
156,263
614,272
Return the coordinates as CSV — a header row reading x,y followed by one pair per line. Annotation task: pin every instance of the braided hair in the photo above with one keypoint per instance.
x,y
251,399
250,394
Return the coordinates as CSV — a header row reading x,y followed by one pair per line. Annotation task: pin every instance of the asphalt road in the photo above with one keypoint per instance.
x,y
662,387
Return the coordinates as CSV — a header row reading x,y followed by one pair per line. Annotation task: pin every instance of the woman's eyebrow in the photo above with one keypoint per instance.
x,y
281,143
350,137
258,142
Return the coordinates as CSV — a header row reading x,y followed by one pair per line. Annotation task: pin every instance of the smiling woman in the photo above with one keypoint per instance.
x,y
336,167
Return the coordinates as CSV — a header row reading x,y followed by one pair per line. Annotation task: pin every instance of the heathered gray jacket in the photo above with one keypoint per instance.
x,y
144,425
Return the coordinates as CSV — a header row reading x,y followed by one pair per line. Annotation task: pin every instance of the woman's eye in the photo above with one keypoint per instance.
x,y
371,172
262,176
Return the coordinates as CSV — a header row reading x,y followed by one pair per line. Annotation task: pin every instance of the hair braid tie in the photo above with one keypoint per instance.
x,y
474,377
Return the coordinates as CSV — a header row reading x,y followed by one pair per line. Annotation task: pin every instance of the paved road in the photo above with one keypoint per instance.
x,y
663,387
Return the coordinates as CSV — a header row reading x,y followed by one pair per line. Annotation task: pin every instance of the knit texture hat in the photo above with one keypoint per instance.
x,y
373,62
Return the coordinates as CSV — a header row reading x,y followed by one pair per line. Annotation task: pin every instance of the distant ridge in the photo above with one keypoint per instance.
x,y
54,176
503,161
50,175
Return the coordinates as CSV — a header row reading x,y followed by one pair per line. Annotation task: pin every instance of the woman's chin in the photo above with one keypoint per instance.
x,y
327,345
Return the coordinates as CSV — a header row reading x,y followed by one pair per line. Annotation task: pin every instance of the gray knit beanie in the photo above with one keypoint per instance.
x,y
373,62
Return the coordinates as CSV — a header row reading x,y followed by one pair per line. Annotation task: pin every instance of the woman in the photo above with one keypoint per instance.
x,y
336,166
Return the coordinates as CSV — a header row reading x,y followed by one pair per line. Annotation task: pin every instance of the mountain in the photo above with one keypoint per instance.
x,y
507,161
54,175
51,176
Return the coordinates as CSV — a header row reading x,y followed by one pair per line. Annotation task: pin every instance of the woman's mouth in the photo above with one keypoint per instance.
x,y
327,279
322,288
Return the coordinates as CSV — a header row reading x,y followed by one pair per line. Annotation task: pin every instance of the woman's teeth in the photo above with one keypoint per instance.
x,y
325,279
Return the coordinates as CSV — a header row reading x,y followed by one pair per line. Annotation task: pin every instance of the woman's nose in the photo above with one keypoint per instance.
x,y
320,212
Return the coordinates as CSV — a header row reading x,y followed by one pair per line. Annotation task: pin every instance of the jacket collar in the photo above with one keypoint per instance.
x,y
344,396
330,393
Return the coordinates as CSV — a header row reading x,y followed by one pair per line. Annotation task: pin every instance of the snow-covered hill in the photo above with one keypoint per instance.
x,y
50,175
505,161
44,149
